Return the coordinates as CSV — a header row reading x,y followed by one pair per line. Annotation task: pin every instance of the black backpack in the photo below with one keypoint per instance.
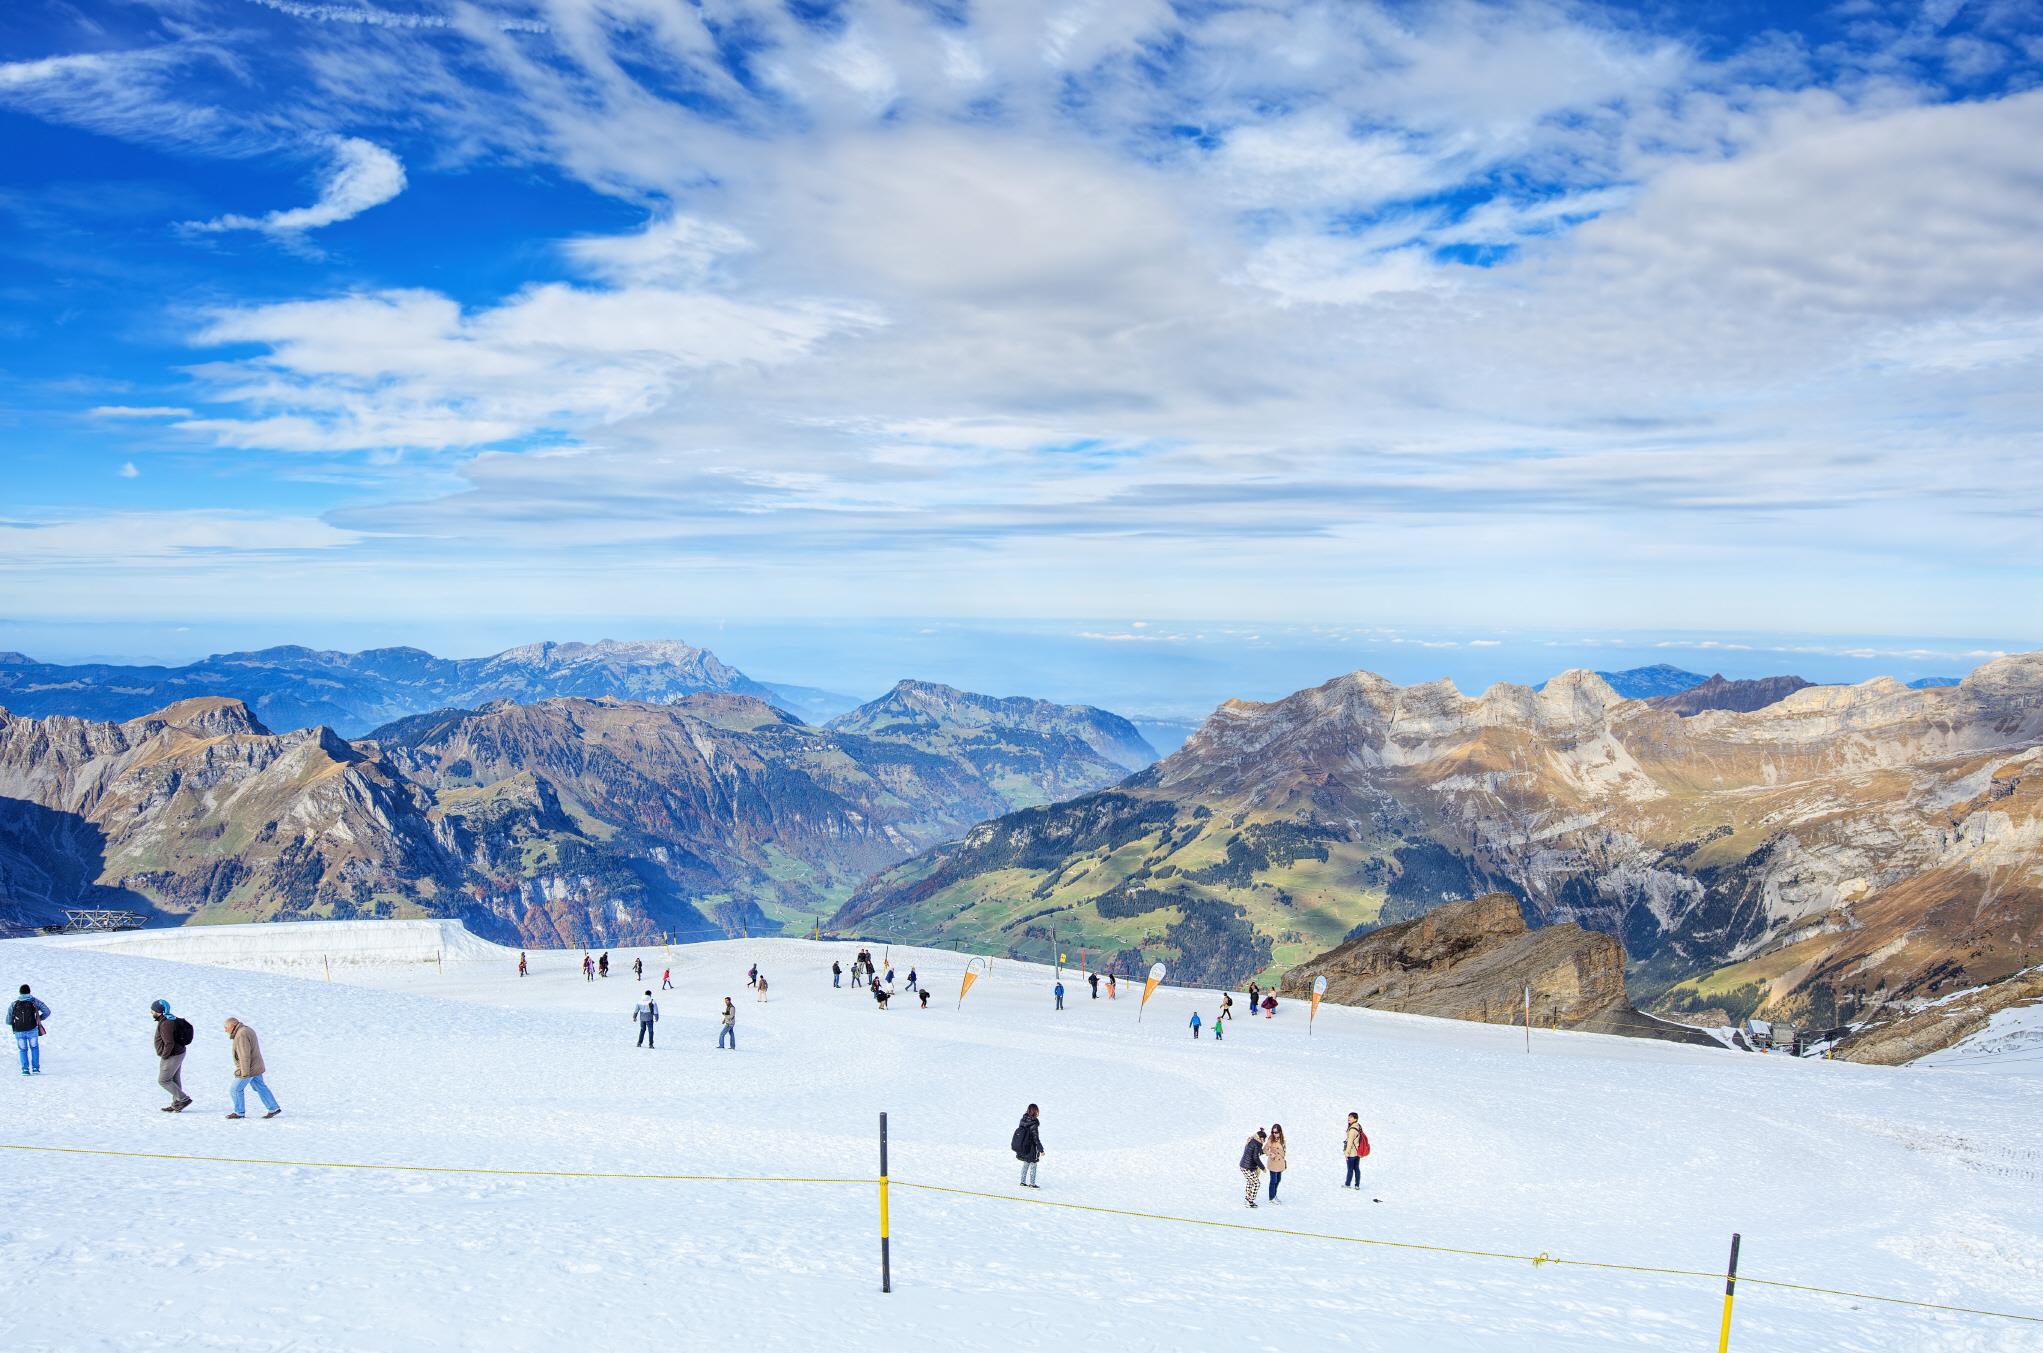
x,y
21,1016
182,1033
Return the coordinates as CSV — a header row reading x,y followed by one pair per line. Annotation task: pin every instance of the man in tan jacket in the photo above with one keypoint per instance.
x,y
248,1069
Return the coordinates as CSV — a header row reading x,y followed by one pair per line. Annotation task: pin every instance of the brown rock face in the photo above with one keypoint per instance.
x,y
1891,1042
1473,961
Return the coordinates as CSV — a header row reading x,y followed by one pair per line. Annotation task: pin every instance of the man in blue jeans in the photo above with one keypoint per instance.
x,y
730,1029
248,1069
25,1018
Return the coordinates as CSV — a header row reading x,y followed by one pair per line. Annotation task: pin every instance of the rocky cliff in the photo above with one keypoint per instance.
x,y
1811,857
556,822
1475,960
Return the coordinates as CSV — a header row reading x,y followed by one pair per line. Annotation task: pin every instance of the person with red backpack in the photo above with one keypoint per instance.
x,y
173,1036
1355,1146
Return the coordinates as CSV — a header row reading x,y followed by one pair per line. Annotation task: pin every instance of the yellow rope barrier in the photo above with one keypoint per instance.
x,y
1536,1260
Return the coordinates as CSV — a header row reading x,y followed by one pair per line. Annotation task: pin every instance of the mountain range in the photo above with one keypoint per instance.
x,y
1826,851
556,822
292,687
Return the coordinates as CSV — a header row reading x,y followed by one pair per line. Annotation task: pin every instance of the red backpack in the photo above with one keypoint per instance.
x,y
1361,1142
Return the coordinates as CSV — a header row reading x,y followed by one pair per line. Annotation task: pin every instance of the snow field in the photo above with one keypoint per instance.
x,y
1920,1184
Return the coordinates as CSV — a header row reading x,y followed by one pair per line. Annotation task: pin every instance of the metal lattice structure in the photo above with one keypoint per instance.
x,y
94,921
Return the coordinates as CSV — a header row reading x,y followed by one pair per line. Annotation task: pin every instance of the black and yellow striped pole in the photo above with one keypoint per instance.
x,y
1730,1280
886,1260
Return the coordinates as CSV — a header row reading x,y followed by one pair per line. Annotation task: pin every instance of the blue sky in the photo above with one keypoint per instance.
x,y
450,322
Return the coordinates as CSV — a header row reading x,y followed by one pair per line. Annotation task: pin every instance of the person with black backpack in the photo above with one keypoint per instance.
x,y
25,1017
1027,1144
173,1036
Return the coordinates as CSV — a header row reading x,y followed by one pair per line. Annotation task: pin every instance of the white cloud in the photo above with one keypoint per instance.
x,y
128,470
138,411
109,541
361,175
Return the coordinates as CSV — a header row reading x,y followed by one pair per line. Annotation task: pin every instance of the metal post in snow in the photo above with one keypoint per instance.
x,y
1528,1017
1730,1290
886,1259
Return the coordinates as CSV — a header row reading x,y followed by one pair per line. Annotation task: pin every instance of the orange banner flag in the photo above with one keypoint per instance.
x,y
1149,988
1319,989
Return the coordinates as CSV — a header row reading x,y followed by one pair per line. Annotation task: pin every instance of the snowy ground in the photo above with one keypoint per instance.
x,y
1917,1183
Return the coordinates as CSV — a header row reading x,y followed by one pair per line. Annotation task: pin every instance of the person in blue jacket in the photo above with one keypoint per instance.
x,y
1060,995
1195,1024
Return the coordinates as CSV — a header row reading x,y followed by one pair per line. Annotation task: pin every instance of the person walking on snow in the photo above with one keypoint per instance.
x,y
760,986
603,964
638,970
1255,998
1354,1144
1028,1145
1226,1008
173,1036
730,1029
248,1070
837,974
1252,1166
1060,995
25,1017
924,994
1276,1158
911,979
647,1013
588,968
1219,1031
1094,980
752,976
1269,1007
1195,1024
521,963
1110,986
666,979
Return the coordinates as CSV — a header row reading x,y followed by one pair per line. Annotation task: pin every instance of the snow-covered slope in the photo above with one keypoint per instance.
x,y
288,945
1925,1184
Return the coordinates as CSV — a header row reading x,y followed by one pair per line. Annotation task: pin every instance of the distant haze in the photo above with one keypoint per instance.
x,y
1180,668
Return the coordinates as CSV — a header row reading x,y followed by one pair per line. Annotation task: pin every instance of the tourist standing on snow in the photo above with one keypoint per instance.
x,y
1352,1144
1276,1158
924,994
1110,986
1269,1007
1195,1024
1255,994
521,963
1226,1008
588,968
1219,1031
760,986
173,1036
666,979
638,971
647,1013
837,974
1252,1166
1060,995
603,964
730,1029
25,1017
1094,980
1028,1146
248,1070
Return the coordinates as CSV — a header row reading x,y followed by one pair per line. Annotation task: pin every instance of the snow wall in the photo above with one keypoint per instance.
x,y
298,944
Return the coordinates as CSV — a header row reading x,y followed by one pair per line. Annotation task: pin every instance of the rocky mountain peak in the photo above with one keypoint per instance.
x,y
208,717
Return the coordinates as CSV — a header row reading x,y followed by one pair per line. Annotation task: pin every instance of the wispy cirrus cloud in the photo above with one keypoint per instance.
x,y
360,175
